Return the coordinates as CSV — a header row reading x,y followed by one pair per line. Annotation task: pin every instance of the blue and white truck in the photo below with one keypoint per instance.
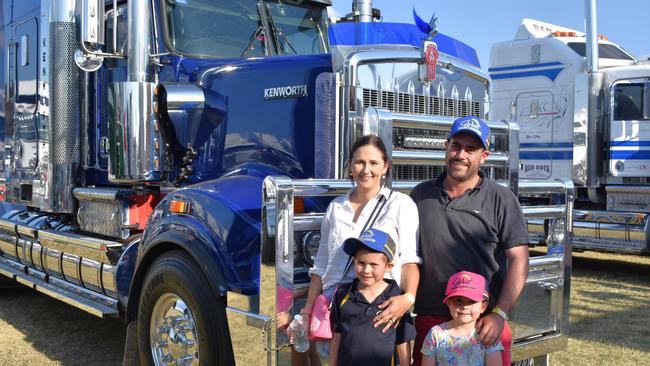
x,y
168,162
583,106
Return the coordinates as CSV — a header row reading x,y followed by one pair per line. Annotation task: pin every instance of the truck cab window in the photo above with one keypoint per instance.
x,y
228,28
604,51
632,102
120,47
298,30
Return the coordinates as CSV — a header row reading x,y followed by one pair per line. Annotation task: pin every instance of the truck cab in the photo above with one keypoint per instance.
x,y
541,80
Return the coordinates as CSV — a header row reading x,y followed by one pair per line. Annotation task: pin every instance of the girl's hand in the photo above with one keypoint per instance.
x,y
393,310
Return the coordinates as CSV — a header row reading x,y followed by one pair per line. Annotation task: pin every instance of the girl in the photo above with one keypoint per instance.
x,y
454,342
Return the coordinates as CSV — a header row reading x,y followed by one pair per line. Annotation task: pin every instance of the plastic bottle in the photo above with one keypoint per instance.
x,y
300,341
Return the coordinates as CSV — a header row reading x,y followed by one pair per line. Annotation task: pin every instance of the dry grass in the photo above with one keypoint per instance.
x,y
38,330
610,317
610,311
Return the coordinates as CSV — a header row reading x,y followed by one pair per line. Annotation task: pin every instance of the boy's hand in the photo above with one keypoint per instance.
x,y
393,310
489,329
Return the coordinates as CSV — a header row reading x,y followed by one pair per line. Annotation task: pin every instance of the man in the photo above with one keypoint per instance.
x,y
469,223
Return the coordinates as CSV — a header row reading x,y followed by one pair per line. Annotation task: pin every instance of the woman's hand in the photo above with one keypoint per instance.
x,y
393,310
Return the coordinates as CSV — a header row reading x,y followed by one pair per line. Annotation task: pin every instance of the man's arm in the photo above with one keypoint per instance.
x,y
515,277
490,327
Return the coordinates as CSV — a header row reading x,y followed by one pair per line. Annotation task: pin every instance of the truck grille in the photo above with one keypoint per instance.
x,y
418,104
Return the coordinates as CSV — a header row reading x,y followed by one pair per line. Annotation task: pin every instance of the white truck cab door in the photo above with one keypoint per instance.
x,y
629,138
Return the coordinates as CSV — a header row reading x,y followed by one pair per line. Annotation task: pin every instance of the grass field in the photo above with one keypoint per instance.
x,y
610,317
610,311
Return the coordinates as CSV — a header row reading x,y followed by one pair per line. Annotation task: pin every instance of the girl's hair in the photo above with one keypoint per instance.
x,y
375,141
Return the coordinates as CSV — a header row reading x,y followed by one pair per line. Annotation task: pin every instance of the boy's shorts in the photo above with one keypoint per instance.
x,y
423,323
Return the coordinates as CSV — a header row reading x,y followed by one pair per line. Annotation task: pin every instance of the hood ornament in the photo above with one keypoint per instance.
x,y
429,49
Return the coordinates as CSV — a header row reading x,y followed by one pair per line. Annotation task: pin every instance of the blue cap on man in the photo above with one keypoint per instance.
x,y
473,126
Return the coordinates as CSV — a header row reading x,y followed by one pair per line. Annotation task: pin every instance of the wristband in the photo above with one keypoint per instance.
x,y
410,297
497,310
305,312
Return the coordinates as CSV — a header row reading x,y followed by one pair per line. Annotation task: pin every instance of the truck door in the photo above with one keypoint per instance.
x,y
629,140
23,82
535,113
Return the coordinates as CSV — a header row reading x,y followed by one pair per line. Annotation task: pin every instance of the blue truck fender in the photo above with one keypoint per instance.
x,y
221,232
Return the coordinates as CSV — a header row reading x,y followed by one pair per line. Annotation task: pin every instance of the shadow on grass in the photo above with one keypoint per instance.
x,y
609,302
59,332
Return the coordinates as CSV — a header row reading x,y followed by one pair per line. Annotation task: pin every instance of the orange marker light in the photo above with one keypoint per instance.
x,y
179,207
298,205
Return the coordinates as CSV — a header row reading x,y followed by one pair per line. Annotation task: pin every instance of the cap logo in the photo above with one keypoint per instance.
x,y
463,281
369,235
471,124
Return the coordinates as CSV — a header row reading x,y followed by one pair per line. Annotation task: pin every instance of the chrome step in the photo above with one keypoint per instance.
x,y
100,306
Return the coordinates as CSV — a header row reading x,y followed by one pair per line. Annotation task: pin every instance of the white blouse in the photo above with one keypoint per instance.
x,y
399,217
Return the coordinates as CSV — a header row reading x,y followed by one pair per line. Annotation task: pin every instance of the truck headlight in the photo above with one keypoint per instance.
x,y
309,246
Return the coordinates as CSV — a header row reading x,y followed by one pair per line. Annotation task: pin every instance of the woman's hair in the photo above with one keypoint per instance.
x,y
375,141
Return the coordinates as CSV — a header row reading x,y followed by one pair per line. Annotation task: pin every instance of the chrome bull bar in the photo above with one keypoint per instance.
x,y
279,247
381,121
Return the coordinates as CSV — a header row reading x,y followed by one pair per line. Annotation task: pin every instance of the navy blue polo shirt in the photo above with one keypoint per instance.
x,y
361,343
469,233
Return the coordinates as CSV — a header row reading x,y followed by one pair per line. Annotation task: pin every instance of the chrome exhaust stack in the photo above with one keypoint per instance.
x,y
64,125
135,139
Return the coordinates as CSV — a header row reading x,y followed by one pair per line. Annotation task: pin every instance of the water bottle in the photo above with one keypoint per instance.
x,y
300,341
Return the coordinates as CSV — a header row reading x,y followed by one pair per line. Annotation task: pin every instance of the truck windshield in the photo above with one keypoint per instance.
x,y
239,28
604,51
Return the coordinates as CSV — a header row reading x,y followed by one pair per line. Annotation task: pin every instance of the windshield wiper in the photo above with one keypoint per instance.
x,y
253,38
277,32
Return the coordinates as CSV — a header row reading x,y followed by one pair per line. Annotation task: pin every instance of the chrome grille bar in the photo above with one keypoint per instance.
x,y
496,159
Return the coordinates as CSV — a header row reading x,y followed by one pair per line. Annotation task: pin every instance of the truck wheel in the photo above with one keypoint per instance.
x,y
180,320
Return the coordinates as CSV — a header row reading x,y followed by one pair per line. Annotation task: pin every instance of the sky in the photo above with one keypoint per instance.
x,y
481,23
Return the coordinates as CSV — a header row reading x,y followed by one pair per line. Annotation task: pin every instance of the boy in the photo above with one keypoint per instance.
x,y
455,342
355,341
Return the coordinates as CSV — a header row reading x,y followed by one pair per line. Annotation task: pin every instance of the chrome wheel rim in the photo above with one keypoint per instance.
x,y
172,333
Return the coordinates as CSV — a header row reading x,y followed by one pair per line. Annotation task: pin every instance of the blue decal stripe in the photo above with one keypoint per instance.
x,y
630,155
629,143
519,67
546,155
550,73
547,145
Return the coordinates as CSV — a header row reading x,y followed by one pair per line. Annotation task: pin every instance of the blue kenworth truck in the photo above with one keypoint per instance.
x,y
169,161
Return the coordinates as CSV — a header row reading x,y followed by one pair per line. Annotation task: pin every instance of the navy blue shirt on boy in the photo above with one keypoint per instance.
x,y
361,343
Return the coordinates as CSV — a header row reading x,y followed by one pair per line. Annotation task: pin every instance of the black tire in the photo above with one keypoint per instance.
x,y
175,280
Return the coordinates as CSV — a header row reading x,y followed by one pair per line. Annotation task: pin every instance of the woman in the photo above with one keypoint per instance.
x,y
346,216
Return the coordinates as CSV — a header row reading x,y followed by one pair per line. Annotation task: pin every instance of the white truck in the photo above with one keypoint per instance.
x,y
583,106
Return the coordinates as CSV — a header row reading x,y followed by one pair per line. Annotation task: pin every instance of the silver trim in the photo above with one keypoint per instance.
x,y
62,11
183,96
496,159
132,123
139,28
362,10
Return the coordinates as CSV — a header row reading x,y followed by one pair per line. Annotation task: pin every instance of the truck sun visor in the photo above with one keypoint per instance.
x,y
354,34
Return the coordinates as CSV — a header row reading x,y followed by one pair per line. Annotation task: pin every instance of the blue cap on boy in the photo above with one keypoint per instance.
x,y
374,240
